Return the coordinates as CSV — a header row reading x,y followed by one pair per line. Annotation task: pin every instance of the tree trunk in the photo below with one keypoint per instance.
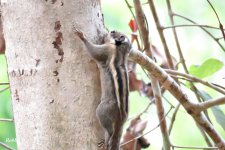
x,y
54,84
2,40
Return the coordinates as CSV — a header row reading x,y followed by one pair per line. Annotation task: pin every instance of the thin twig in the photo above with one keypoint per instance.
x,y
210,34
4,89
219,38
206,138
191,25
194,79
219,86
220,24
173,118
162,37
182,60
192,147
6,120
142,25
4,83
142,112
146,109
137,137
5,146
129,7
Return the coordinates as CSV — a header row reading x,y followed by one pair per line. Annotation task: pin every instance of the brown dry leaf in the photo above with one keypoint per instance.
x,y
136,128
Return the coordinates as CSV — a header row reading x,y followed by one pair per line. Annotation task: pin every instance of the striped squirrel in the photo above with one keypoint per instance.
x,y
111,58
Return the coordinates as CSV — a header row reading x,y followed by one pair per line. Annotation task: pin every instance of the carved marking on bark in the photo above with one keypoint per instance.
x,y
17,95
52,101
58,40
57,26
33,72
13,73
37,62
53,1
95,3
55,73
23,72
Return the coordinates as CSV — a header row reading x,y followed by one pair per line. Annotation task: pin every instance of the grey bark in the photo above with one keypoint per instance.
x,y
54,84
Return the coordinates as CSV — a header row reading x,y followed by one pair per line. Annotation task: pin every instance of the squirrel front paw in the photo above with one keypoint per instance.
x,y
80,34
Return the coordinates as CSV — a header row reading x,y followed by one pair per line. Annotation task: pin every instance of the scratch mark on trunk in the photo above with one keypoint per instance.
x,y
17,95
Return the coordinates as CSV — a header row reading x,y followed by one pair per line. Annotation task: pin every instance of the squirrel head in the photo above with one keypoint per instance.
x,y
121,41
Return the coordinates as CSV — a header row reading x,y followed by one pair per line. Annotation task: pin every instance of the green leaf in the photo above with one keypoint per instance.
x,y
208,68
217,112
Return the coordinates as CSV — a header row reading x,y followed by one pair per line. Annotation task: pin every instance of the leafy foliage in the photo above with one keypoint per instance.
x,y
207,68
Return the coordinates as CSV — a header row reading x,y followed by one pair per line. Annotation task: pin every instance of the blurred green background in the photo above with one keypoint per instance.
x,y
197,47
7,129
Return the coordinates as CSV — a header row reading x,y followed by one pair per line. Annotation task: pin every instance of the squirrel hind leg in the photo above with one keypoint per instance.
x,y
106,123
114,141
104,143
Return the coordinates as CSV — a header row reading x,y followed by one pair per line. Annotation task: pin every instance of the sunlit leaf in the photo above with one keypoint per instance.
x,y
208,68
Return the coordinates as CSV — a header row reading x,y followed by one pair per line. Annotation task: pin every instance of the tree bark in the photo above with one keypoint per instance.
x,y
2,40
54,83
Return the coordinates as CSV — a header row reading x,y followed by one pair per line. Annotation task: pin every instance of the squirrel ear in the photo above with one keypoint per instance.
x,y
122,38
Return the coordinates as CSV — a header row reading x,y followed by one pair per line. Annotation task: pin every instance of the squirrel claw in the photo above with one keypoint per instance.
x,y
80,34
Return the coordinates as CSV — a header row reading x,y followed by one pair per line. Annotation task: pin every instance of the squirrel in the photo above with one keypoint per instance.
x,y
111,58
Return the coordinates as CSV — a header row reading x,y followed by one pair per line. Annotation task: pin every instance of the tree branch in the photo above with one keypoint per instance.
x,y
143,27
160,30
208,104
179,94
